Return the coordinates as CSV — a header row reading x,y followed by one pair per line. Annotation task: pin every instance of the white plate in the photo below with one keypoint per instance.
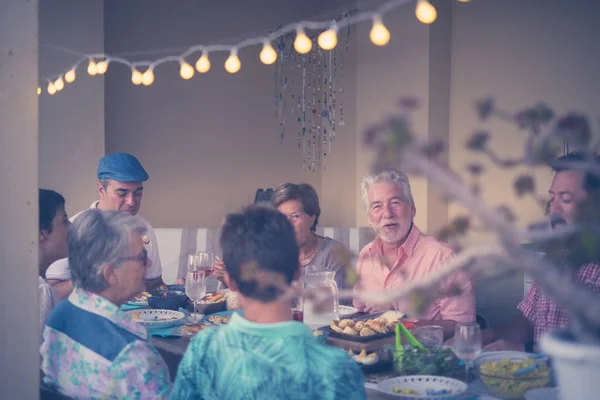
x,y
420,383
542,394
155,318
344,311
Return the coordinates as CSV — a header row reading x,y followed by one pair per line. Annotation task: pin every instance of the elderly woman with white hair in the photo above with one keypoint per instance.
x,y
401,254
92,349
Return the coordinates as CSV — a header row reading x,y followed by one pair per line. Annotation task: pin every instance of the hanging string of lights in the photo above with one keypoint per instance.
x,y
142,72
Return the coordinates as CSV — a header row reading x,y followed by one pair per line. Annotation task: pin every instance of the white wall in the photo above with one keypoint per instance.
x,y
384,74
210,142
19,334
71,121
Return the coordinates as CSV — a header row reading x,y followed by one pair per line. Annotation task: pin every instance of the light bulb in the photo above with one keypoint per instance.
x,y
102,66
136,77
203,63
70,75
59,84
51,88
425,12
92,68
39,91
328,39
233,64
464,1
148,77
268,55
186,70
379,34
302,44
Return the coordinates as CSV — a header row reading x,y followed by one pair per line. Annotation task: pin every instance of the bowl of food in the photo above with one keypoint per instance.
x,y
167,299
422,387
414,361
497,372
212,303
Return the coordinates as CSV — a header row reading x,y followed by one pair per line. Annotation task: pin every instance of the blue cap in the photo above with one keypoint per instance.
x,y
121,167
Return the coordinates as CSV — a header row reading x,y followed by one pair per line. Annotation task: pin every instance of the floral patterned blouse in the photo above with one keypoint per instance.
x,y
93,350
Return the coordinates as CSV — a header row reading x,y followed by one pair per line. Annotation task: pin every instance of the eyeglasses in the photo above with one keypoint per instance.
x,y
142,258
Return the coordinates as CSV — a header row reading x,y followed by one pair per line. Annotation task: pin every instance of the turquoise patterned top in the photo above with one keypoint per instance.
x,y
246,360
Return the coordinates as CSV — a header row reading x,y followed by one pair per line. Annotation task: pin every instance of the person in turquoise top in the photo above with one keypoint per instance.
x,y
264,354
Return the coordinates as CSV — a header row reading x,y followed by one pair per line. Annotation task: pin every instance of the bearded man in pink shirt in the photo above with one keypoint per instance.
x,y
402,254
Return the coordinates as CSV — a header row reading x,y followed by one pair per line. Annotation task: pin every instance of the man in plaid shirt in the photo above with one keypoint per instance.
x,y
540,313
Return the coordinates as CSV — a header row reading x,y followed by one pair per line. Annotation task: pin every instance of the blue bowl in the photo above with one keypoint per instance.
x,y
167,299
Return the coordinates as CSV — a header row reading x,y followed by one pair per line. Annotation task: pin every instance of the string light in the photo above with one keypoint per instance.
x,y
148,77
39,91
328,40
302,44
70,75
59,84
136,77
379,35
101,67
51,88
186,70
233,64
203,63
268,55
92,68
425,12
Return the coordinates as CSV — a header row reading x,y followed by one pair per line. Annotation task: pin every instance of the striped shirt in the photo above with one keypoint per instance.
x,y
91,349
246,360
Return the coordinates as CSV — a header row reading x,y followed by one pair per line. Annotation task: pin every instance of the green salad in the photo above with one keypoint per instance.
x,y
414,361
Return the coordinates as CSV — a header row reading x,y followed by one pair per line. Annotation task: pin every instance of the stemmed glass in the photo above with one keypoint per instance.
x,y
195,283
467,344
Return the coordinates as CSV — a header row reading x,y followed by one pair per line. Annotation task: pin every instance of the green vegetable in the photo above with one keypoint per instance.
x,y
416,361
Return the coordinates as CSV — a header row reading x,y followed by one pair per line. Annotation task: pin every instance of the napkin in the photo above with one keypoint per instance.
x,y
125,307
171,331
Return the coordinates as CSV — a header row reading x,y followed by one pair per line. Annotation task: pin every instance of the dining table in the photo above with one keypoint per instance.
x,y
172,350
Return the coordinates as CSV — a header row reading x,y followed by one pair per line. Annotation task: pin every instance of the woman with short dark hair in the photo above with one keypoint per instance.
x,y
300,203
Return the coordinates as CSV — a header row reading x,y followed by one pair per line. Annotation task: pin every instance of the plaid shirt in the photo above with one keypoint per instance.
x,y
545,313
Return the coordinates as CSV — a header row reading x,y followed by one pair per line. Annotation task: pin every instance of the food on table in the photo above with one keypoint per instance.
x,y
141,298
414,361
366,332
369,327
499,377
346,323
363,357
219,319
192,329
317,333
392,316
409,392
214,297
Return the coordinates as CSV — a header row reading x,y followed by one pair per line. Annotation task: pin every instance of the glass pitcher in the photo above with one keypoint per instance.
x,y
321,284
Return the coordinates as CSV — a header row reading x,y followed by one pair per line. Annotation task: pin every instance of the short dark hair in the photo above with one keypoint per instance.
x,y
304,193
259,251
50,201
568,162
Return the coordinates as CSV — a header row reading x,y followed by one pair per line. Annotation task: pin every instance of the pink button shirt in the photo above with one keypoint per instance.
x,y
419,256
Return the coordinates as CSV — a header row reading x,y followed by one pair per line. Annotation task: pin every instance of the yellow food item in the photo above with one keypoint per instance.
x,y
362,355
499,377
409,392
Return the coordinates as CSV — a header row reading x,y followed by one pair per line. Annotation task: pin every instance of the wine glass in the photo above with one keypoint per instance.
x,y
467,343
195,289
204,260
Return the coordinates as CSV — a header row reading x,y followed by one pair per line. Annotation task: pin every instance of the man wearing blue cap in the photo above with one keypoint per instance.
x,y
120,186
